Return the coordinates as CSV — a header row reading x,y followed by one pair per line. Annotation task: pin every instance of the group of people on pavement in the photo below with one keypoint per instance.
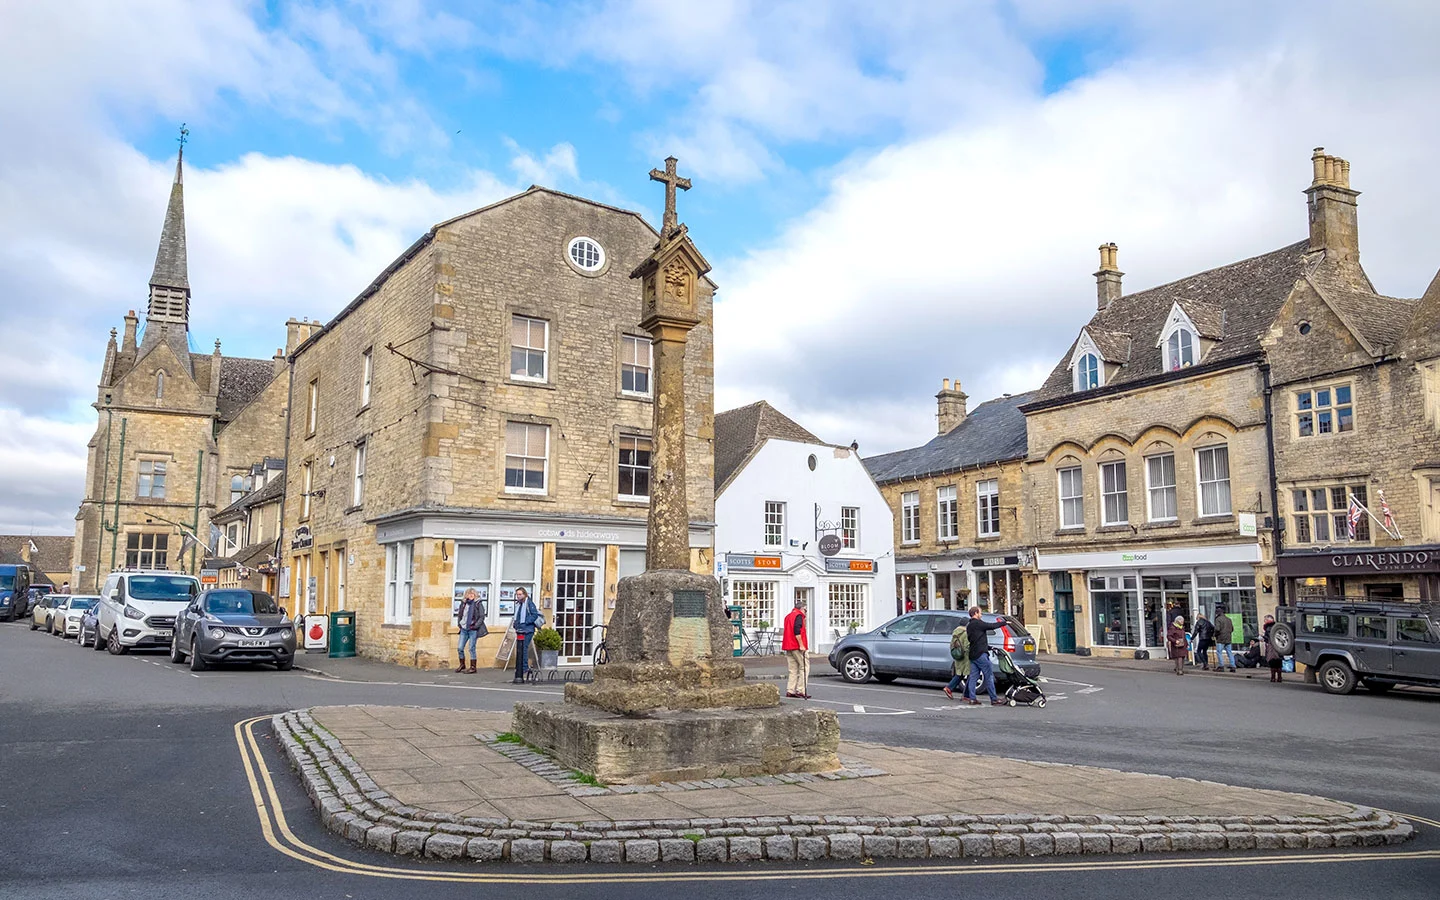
x,y
471,620
1194,646
970,653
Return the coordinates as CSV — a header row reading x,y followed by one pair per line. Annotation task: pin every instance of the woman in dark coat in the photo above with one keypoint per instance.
x,y
1272,656
1175,645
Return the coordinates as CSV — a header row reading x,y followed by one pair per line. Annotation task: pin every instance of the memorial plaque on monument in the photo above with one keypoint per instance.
x,y
689,604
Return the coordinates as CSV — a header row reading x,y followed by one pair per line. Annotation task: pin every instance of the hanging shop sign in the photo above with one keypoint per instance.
x,y
829,544
850,566
303,539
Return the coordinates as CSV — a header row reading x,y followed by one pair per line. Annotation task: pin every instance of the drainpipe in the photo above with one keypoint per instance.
x,y
115,522
289,483
104,496
195,529
1276,539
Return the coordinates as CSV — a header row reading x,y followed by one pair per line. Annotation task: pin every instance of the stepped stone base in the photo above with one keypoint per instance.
x,y
682,745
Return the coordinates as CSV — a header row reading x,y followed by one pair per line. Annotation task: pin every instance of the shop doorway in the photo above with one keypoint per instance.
x,y
1164,598
806,595
1064,612
575,603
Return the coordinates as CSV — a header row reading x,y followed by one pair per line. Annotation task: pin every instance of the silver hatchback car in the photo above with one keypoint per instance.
x,y
232,625
917,645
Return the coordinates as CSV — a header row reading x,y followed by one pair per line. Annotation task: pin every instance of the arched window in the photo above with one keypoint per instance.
x,y
1180,349
160,385
1087,372
238,487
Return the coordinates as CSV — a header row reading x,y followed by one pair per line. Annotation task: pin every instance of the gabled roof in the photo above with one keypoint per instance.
x,y
241,381
1244,296
273,490
739,432
1377,321
52,550
993,432
1114,346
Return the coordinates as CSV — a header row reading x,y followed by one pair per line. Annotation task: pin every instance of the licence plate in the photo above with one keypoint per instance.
x,y
164,633
253,643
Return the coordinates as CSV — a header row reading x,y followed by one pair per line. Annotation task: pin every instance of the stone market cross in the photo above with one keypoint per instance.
x,y
671,181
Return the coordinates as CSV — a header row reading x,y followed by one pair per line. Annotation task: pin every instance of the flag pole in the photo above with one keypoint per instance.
x,y
1374,518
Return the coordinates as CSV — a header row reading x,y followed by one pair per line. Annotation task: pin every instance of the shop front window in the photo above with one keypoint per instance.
x,y
1114,609
517,571
1233,595
756,600
472,571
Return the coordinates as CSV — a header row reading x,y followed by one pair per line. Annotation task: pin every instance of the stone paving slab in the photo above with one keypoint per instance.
x,y
501,810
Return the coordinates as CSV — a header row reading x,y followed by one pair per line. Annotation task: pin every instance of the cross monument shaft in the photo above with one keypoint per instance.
x,y
671,180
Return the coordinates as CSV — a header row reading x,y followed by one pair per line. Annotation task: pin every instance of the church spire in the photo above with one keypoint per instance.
x,y
171,270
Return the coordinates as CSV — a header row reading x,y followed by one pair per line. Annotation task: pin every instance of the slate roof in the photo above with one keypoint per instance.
x,y
1114,346
993,432
54,550
241,381
1378,321
1243,297
272,490
739,431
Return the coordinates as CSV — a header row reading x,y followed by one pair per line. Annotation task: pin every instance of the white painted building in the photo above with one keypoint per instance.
x,y
779,491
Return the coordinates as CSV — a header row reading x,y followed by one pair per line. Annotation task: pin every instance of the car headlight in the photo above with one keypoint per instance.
x,y
133,613
216,634
287,632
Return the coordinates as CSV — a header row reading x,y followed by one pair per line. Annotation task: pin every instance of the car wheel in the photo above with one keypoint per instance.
x,y
1282,638
285,665
176,656
855,667
112,643
33,624
99,644
196,663
1336,677
1377,687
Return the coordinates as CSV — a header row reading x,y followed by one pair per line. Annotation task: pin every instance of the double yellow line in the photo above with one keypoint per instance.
x,y
277,833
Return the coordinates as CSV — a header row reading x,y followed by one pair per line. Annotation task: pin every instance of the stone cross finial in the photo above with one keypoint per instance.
x,y
671,182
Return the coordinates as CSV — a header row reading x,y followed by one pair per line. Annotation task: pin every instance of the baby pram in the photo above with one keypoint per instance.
x,y
1014,684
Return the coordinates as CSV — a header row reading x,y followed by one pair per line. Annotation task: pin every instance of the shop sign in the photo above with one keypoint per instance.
x,y
210,576
751,561
995,562
851,566
829,544
1247,525
303,539
1399,560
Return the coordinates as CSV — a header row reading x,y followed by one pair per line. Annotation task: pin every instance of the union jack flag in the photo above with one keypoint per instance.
x,y
1385,511
1353,516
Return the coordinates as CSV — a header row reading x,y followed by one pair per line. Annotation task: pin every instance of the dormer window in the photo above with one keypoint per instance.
x,y
1086,364
1179,341
1180,349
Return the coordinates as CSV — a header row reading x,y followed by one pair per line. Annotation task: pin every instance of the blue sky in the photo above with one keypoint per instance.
x,y
918,188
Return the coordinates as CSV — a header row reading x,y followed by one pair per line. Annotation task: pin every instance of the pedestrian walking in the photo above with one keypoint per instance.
x,y
527,619
65,588
471,619
1224,638
981,670
795,643
1204,638
959,661
1175,641
1272,656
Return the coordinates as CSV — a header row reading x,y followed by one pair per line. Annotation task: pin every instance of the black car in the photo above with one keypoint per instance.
x,y
233,625
1344,642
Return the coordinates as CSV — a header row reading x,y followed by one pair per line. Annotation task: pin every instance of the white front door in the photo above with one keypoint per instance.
x,y
807,596
575,599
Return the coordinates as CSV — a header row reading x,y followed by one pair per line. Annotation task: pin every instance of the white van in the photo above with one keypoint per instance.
x,y
137,609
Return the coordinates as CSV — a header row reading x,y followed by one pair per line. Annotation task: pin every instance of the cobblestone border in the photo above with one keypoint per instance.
x,y
352,805
568,781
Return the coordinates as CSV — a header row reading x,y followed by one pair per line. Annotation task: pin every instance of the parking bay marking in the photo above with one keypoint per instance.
x,y
864,710
275,829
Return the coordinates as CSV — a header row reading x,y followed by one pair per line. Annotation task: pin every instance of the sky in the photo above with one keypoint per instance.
x,y
891,194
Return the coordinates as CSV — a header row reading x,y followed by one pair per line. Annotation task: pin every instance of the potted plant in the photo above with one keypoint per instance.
x,y
854,625
548,642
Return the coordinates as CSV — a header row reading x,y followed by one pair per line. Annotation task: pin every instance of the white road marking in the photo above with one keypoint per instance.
x,y
453,687
864,710
1089,690
859,708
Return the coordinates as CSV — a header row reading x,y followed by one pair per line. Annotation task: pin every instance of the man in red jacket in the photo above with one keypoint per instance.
x,y
796,644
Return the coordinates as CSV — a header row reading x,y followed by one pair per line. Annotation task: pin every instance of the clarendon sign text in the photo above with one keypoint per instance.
x,y
1382,562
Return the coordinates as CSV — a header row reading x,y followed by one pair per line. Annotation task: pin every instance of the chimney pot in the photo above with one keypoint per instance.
x,y
1334,226
1107,278
950,406
944,384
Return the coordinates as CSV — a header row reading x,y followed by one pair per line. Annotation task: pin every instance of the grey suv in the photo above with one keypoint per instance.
x,y
917,645
1379,645
232,625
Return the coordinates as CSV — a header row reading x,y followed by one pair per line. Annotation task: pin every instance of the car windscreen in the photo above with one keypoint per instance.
x,y
81,602
7,581
161,587
249,603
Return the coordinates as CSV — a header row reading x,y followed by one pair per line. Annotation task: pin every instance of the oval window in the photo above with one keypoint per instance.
x,y
811,462
586,254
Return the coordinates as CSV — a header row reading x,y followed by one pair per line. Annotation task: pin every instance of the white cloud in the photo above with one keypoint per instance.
x,y
558,166
42,463
968,253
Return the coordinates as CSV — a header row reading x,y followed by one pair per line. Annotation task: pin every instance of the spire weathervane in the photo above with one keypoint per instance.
x,y
184,137
671,182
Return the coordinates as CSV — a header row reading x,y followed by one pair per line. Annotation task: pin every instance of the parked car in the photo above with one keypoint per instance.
x,y
90,627
14,591
1347,642
137,609
69,609
917,645
231,625
43,611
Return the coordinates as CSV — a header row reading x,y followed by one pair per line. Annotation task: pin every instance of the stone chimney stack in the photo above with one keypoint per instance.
x,y
279,361
950,403
1334,227
297,332
131,322
1107,277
